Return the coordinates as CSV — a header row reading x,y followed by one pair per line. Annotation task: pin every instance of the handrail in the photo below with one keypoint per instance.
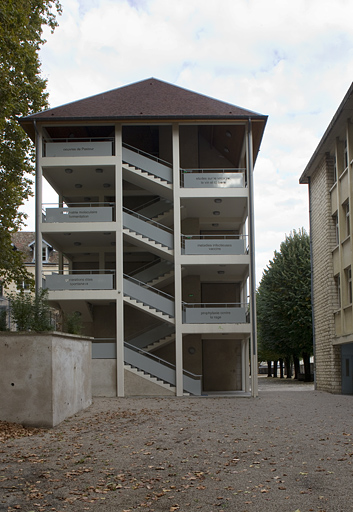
x,y
159,360
214,237
88,204
148,220
212,169
145,267
214,304
143,331
80,271
149,287
75,139
148,203
148,155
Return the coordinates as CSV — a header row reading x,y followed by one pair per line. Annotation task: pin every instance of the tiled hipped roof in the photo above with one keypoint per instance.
x,y
150,99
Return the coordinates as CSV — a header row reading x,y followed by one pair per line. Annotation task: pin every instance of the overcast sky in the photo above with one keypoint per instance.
x,y
290,60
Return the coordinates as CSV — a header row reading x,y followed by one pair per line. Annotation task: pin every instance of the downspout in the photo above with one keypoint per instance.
x,y
312,279
254,383
38,216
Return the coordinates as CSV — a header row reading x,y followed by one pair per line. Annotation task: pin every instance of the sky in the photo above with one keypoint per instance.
x,y
290,60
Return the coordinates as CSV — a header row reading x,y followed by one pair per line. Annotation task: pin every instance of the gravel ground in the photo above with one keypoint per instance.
x,y
289,450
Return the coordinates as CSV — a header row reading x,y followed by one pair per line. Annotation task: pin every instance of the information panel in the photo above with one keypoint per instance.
x,y
214,180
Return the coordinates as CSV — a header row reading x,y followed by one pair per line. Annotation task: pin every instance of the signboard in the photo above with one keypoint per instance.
x,y
78,149
79,282
101,214
217,315
214,180
232,246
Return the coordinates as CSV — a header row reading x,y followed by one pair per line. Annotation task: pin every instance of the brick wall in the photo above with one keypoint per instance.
x,y
327,357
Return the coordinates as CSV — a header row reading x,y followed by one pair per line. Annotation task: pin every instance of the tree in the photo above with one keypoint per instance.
x,y
22,92
284,302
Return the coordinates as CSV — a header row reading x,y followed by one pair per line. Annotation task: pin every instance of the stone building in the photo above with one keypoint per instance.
x,y
155,217
329,175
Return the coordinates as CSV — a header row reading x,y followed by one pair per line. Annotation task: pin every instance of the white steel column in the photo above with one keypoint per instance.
x,y
177,264
38,212
119,263
252,282
247,380
244,369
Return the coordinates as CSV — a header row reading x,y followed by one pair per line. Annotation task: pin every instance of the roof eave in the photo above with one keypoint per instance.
x,y
322,146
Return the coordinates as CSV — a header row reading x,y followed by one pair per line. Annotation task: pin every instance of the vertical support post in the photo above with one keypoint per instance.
x,y
247,381
38,213
252,279
244,372
177,264
119,263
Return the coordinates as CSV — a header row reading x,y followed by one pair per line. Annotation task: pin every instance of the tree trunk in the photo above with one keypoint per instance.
x,y
269,368
275,368
288,363
281,368
296,367
306,360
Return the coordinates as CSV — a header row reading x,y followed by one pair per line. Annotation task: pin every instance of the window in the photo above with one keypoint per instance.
x,y
334,169
23,286
349,285
337,232
338,290
45,252
348,224
345,154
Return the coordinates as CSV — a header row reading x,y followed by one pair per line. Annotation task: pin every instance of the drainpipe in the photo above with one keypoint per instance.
x,y
253,351
312,279
38,215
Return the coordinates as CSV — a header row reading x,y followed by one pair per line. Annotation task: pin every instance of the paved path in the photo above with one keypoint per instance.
x,y
290,449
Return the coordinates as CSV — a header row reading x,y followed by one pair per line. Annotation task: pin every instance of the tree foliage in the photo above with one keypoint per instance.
x,y
284,302
31,313
22,92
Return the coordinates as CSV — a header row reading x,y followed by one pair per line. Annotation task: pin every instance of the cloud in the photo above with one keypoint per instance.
x,y
290,60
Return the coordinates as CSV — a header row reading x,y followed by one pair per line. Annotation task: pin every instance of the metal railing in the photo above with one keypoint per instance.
x,y
147,155
148,287
160,368
148,221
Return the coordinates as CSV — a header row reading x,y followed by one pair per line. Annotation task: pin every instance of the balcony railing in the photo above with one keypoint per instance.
x,y
213,178
79,280
78,147
214,244
221,313
78,212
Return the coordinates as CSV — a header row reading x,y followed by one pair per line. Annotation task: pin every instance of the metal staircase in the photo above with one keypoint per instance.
x,y
149,299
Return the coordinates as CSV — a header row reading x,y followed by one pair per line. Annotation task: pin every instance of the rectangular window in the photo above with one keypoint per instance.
x,y
337,231
348,224
44,253
345,154
338,290
349,285
334,169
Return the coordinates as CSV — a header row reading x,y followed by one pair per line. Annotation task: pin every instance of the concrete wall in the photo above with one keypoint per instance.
x,y
327,356
104,377
44,377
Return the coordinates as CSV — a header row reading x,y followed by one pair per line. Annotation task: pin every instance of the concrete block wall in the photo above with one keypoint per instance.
x,y
327,357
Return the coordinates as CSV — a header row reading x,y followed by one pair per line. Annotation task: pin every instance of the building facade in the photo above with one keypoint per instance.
x,y
24,241
329,175
154,215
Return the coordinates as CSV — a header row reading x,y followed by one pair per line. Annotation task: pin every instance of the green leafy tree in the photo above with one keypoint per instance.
x,y
31,313
22,92
284,302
